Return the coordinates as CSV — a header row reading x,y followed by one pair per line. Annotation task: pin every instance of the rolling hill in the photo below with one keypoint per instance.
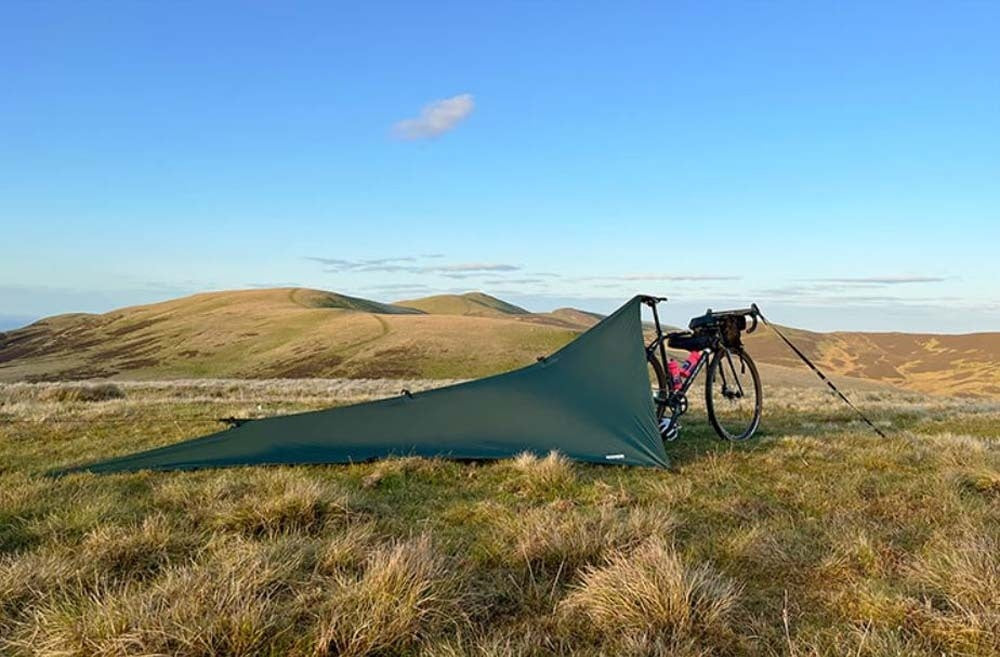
x,y
967,364
300,333
474,304
283,333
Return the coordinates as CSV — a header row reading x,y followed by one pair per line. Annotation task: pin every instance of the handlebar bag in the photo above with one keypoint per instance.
x,y
728,325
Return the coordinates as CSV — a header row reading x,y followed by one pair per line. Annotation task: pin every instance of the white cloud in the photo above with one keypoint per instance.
x,y
436,118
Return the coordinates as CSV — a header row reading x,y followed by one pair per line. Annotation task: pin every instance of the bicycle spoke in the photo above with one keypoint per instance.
x,y
722,378
732,368
734,396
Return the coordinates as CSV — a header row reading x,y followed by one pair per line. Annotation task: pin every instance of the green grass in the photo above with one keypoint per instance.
x,y
816,539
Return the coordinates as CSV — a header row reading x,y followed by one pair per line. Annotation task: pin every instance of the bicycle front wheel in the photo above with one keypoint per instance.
x,y
733,394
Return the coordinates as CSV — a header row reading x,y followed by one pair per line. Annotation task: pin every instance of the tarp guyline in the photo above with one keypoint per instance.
x,y
819,373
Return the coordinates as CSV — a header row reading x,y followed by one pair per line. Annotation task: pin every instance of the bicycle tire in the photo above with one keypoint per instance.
x,y
718,361
660,392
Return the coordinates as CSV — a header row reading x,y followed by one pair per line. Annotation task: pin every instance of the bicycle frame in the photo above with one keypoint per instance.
x,y
658,341
659,344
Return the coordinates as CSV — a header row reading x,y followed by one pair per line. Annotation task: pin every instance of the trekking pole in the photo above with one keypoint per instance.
x,y
805,359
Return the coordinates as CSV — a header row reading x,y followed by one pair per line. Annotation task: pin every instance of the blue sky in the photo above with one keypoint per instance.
x,y
839,163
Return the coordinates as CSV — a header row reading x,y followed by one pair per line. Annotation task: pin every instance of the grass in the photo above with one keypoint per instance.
x,y
299,333
470,303
282,333
818,538
651,593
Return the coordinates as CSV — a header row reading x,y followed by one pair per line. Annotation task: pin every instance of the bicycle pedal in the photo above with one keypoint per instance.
x,y
668,430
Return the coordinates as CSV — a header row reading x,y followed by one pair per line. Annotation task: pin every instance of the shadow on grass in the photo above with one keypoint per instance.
x,y
698,439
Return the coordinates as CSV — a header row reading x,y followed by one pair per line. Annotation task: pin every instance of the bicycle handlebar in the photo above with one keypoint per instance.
x,y
752,312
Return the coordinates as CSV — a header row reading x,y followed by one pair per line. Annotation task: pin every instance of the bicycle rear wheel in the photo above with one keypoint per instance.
x,y
660,390
733,394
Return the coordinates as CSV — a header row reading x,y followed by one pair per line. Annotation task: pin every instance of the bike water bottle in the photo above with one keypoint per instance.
x,y
688,367
674,372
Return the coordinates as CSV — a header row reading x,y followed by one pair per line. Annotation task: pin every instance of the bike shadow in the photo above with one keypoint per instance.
x,y
698,440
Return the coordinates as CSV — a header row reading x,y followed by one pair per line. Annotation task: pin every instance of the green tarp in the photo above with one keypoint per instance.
x,y
591,401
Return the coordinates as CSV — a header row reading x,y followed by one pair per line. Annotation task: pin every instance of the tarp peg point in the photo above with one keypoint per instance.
x,y
407,393
233,422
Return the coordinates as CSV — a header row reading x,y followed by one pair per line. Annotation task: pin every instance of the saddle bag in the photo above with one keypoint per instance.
x,y
688,341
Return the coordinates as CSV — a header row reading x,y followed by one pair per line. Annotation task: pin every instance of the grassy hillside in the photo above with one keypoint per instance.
x,y
816,539
296,333
472,303
943,364
321,299
569,317
287,332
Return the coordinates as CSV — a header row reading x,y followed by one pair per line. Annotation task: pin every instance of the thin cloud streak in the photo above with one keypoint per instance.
x,y
881,280
476,267
402,264
663,277
344,264
515,281
679,277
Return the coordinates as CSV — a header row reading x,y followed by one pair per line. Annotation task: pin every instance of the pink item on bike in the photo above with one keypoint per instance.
x,y
674,372
688,367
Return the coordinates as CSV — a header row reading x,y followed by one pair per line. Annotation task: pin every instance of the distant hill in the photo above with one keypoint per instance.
x,y
300,333
571,317
319,299
966,364
284,333
474,304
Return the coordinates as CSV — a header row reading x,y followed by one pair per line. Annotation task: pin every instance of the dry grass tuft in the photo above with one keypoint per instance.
x,y
406,593
133,551
397,468
284,502
347,549
552,472
650,593
96,392
525,642
229,604
983,482
958,583
570,538
27,579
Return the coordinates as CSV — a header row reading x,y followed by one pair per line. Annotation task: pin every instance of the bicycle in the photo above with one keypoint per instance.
x,y
732,393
